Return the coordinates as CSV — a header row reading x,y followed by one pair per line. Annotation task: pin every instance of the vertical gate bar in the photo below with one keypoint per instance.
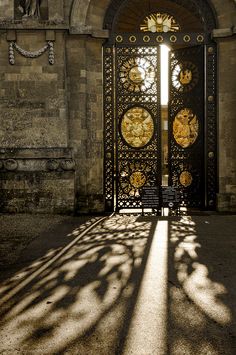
x,y
159,117
115,127
108,105
211,126
205,127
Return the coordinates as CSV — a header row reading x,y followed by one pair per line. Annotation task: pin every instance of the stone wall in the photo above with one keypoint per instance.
x,y
36,165
6,10
85,102
226,14
227,125
35,181
33,102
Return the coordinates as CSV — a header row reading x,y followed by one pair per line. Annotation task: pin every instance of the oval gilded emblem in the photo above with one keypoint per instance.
x,y
186,178
185,128
137,127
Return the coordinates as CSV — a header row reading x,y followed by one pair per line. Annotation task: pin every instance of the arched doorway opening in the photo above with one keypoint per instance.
x,y
147,142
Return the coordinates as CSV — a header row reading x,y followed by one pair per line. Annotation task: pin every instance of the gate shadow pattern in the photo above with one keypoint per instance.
x,y
81,299
201,283
87,290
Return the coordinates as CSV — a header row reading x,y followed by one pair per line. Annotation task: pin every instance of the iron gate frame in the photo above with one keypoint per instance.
x,y
210,101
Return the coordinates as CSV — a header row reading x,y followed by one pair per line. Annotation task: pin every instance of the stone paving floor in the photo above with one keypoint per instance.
x,y
123,284
17,231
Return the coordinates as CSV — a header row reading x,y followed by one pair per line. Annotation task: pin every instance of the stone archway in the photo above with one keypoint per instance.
x,y
92,14
88,14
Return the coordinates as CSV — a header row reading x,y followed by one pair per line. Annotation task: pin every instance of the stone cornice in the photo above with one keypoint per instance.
x,y
224,32
33,25
89,30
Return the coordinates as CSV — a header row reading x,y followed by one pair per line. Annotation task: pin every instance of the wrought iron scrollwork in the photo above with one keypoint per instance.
x,y
109,172
137,122
186,124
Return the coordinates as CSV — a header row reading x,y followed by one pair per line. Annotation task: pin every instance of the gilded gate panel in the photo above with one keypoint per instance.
x,y
186,124
132,154
138,158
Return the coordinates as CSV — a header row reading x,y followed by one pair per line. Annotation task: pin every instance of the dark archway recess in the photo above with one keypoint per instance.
x,y
193,16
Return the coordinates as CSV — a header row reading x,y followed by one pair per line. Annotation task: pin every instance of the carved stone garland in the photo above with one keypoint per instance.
x,y
28,54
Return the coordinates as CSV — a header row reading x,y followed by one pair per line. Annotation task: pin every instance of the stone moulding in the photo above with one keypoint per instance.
x,y
32,164
52,165
58,164
68,164
28,54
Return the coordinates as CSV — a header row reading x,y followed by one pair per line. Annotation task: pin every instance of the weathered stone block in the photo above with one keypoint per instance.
x,y
37,192
6,10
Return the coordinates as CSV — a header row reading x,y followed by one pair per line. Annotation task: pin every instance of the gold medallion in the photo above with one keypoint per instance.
x,y
184,76
185,128
137,127
137,74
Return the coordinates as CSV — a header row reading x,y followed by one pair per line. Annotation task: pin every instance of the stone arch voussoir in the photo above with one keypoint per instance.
x,y
88,14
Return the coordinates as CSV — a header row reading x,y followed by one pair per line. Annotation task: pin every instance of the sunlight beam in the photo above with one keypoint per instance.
x,y
148,329
164,74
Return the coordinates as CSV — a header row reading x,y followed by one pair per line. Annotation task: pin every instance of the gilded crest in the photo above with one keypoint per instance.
x,y
185,128
159,22
185,76
137,74
137,127
133,176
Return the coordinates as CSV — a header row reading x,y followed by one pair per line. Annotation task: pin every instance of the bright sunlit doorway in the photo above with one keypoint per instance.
x,y
164,52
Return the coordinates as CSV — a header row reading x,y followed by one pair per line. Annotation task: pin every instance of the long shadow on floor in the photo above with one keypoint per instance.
x,y
71,300
79,297
202,296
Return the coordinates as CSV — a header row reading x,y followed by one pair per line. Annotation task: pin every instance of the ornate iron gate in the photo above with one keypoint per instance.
x,y
138,143
132,122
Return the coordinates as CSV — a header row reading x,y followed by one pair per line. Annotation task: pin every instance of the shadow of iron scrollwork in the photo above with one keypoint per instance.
x,y
89,289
